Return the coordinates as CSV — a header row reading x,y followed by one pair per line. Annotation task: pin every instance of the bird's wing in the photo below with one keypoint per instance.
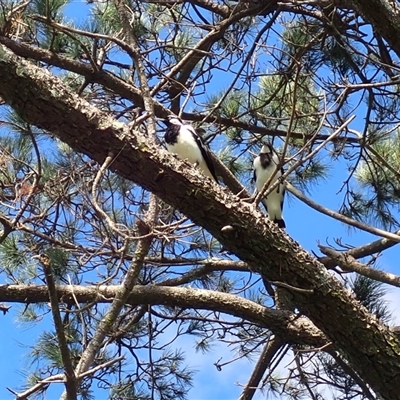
x,y
204,152
282,187
255,162
254,175
283,197
171,133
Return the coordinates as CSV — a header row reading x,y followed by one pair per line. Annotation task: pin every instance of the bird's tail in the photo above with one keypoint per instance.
x,y
280,222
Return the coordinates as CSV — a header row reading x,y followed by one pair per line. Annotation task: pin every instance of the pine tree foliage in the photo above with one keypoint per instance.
x,y
318,80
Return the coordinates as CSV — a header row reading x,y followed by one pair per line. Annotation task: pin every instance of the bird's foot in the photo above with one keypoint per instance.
x,y
248,199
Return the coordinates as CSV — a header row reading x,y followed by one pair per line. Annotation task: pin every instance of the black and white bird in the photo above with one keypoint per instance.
x,y
182,140
264,166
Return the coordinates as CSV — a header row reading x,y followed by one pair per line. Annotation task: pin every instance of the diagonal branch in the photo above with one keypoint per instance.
x,y
267,354
383,15
71,381
364,250
343,218
349,263
186,65
43,100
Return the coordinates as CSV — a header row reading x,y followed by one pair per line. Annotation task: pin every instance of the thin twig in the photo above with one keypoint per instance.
x,y
137,59
71,382
292,288
96,205
349,371
348,263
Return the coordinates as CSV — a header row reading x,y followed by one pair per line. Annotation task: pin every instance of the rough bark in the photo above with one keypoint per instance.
x,y
43,100
295,329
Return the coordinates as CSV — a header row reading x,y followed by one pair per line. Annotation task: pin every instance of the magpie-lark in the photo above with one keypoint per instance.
x,y
264,166
182,140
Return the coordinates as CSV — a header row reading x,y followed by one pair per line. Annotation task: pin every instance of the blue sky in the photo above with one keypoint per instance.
x,y
303,224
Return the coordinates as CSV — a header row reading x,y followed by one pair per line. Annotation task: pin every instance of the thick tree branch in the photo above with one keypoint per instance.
x,y
43,100
383,15
294,328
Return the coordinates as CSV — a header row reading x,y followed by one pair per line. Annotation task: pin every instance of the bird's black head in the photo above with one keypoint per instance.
x,y
266,154
174,125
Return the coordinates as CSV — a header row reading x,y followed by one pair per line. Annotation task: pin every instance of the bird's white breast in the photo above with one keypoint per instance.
x,y
274,200
186,147
263,175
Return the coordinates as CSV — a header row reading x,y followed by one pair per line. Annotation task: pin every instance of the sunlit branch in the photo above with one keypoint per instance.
x,y
96,205
363,251
60,378
349,263
295,329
